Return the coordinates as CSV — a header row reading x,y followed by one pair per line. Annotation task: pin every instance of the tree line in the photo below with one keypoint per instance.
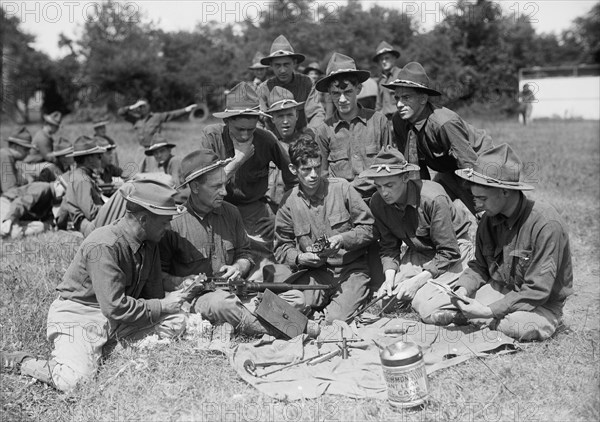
x,y
473,54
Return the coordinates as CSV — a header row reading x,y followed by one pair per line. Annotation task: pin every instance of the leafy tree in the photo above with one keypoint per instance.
x,y
23,67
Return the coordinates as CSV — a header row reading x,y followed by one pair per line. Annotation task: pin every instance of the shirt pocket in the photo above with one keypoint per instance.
x,y
340,221
339,162
229,251
521,260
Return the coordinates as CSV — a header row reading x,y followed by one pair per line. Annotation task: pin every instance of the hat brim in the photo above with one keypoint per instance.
x,y
91,151
396,53
61,152
99,124
197,173
258,66
154,147
322,84
267,60
231,113
154,209
382,171
51,121
20,142
468,175
428,91
285,106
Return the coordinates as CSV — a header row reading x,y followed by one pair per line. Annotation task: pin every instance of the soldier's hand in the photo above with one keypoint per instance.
x,y
310,259
172,302
230,272
191,107
336,242
388,285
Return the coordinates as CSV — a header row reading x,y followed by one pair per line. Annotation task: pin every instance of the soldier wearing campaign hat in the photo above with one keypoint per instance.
x,y
100,135
259,70
162,151
19,145
84,197
419,214
433,136
283,61
43,141
522,273
210,220
283,109
112,291
386,56
352,137
252,150
62,163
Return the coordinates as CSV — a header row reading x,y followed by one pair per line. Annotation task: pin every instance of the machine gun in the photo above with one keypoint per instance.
x,y
272,310
241,288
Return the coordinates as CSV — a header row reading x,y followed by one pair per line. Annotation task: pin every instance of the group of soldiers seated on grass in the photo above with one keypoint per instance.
x,y
356,182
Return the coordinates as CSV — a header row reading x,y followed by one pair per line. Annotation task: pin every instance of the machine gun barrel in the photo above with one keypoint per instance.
x,y
241,287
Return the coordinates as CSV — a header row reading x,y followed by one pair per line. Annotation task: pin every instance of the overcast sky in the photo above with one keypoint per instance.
x,y
47,19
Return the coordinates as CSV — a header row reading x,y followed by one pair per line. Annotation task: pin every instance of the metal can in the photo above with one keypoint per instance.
x,y
405,375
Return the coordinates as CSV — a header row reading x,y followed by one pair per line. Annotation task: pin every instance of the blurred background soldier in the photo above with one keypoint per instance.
x,y
28,210
386,56
43,141
19,145
283,62
62,163
526,100
259,70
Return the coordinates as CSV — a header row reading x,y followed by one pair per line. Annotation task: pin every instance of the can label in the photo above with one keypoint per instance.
x,y
408,388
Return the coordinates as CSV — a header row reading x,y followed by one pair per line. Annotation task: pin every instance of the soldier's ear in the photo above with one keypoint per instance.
x,y
293,169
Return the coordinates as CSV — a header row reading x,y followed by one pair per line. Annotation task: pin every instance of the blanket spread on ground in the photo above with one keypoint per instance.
x,y
361,375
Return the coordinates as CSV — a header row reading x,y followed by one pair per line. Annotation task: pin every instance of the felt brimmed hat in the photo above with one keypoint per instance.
x,y
21,137
100,123
338,65
200,162
413,76
313,66
242,100
388,162
256,64
53,118
103,142
498,167
158,141
281,47
84,145
62,147
383,48
281,99
155,196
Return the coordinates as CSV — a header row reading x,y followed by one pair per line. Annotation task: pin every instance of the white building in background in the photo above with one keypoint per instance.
x,y
564,92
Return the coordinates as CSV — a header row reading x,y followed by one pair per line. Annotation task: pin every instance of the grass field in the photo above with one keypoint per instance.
x,y
557,380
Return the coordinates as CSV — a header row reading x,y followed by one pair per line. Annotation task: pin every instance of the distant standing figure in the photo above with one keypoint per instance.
x,y
99,127
526,100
